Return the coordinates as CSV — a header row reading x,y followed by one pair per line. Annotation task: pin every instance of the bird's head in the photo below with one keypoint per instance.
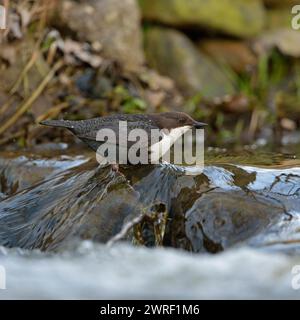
x,y
173,120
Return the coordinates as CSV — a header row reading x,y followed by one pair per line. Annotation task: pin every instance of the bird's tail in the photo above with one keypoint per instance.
x,y
58,123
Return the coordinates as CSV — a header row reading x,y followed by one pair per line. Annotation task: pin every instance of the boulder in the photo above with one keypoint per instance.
x,y
113,25
220,220
240,18
232,53
287,41
281,3
278,18
174,55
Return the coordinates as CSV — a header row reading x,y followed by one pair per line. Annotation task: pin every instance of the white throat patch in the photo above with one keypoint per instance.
x,y
158,149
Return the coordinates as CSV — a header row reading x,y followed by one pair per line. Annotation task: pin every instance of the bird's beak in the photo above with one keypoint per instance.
x,y
199,125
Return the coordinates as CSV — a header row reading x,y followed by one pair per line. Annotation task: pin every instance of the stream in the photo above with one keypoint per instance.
x,y
70,229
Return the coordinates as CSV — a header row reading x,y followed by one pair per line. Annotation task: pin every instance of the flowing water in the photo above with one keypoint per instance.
x,y
70,229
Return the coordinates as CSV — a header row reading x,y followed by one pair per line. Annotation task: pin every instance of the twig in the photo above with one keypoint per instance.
x,y
125,230
35,54
28,66
253,124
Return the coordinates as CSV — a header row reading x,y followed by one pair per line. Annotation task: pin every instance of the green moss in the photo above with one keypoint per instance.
x,y
236,17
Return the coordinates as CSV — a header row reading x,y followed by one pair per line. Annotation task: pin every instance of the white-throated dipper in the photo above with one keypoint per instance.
x,y
171,124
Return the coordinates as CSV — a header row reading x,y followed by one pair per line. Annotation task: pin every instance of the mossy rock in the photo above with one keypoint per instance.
x,y
174,54
242,18
279,18
281,3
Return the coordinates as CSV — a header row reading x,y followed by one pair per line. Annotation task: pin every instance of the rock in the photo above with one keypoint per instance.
x,y
221,207
118,207
112,23
66,209
281,3
278,18
173,54
287,41
219,220
235,54
23,170
240,18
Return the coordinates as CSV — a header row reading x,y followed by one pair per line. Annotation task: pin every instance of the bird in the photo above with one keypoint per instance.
x,y
172,126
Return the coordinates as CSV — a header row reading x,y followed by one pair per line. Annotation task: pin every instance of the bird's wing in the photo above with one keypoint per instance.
x,y
120,134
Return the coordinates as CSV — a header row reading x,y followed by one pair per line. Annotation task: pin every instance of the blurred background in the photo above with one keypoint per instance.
x,y
233,64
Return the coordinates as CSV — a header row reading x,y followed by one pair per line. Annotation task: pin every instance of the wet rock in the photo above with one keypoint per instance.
x,y
85,202
234,54
238,17
219,220
157,187
173,54
118,206
220,208
186,191
232,205
115,25
144,179
23,170
224,206
66,205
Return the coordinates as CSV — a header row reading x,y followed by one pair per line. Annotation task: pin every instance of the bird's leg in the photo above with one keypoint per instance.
x,y
115,167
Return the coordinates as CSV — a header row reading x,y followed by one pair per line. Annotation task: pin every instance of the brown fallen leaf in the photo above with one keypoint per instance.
x,y
74,51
